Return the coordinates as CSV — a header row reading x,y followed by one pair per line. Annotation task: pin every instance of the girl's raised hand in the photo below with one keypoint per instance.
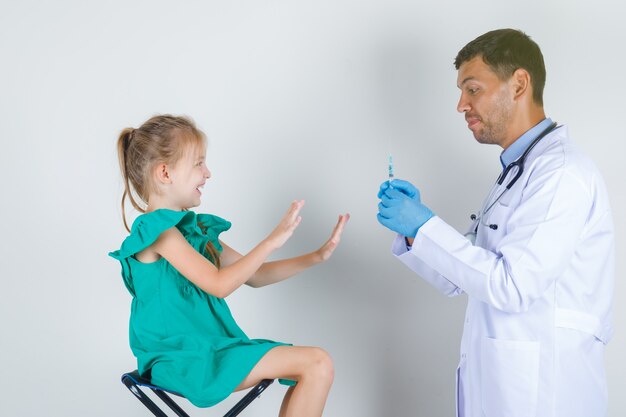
x,y
329,247
287,225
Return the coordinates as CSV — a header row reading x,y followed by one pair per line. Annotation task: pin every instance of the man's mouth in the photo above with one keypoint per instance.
x,y
472,121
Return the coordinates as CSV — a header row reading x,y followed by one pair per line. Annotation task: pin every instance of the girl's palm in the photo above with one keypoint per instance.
x,y
287,225
329,247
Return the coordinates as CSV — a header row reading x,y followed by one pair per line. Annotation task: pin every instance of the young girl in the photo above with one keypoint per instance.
x,y
179,272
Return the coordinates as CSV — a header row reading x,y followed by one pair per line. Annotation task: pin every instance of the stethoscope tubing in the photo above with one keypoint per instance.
x,y
519,162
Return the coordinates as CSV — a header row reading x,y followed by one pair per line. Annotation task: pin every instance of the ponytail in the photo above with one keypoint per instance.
x,y
123,144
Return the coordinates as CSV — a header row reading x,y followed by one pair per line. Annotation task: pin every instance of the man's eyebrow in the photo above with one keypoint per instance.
x,y
465,80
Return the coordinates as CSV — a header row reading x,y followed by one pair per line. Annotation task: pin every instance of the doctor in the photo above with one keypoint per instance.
x,y
537,263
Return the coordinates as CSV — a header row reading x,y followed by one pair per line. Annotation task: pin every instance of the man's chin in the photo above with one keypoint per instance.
x,y
484,139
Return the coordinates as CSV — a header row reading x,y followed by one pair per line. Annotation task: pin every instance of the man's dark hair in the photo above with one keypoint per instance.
x,y
505,51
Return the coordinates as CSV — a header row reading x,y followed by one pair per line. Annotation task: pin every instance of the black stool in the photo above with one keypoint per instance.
x,y
133,381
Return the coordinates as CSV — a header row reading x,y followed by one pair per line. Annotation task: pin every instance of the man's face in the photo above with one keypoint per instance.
x,y
486,101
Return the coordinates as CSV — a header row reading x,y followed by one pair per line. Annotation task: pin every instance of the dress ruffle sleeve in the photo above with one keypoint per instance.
x,y
147,229
211,226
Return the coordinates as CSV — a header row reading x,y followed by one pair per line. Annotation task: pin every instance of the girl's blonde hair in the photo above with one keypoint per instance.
x,y
162,139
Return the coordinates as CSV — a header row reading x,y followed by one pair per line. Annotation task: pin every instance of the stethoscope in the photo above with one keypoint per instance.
x,y
519,164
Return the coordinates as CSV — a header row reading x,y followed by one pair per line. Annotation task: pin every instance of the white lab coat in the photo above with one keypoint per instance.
x,y
539,289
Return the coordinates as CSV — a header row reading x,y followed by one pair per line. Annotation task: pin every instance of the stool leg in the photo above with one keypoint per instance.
x,y
141,396
248,398
171,403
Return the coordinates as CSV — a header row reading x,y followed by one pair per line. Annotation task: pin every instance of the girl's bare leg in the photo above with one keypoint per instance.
x,y
285,405
313,369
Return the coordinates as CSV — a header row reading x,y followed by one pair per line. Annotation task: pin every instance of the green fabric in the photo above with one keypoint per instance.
x,y
185,339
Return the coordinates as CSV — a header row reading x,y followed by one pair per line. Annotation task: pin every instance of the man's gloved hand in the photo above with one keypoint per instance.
x,y
400,208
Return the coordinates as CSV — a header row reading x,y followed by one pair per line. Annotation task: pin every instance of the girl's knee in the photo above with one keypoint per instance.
x,y
321,365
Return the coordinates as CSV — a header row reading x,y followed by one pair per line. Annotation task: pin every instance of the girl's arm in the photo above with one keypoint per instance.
x,y
276,271
173,246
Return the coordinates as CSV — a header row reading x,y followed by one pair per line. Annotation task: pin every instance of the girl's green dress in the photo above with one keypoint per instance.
x,y
184,339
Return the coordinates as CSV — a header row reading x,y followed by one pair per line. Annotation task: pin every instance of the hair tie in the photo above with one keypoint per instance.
x,y
127,138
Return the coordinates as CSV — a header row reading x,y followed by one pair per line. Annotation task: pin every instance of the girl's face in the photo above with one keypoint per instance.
x,y
188,177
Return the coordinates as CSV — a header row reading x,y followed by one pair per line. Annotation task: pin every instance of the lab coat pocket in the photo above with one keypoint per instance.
x,y
510,377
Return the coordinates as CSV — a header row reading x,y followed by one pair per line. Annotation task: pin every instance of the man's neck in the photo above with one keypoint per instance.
x,y
522,123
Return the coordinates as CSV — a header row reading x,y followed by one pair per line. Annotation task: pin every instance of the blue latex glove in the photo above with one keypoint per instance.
x,y
400,208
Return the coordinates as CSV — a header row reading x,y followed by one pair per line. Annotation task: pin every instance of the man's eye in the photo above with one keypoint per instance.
x,y
472,91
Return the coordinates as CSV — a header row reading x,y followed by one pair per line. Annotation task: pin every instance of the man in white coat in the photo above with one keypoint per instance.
x,y
537,262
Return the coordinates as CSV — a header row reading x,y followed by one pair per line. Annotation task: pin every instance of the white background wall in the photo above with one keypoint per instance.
x,y
300,99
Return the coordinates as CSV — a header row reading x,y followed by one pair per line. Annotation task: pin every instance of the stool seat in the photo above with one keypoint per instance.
x,y
133,381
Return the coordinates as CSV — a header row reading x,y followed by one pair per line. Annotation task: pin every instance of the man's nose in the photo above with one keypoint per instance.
x,y
463,104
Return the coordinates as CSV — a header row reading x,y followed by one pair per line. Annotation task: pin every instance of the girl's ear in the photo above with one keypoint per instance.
x,y
162,174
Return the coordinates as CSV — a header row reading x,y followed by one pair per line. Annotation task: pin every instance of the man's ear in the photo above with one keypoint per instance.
x,y
520,82
162,173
